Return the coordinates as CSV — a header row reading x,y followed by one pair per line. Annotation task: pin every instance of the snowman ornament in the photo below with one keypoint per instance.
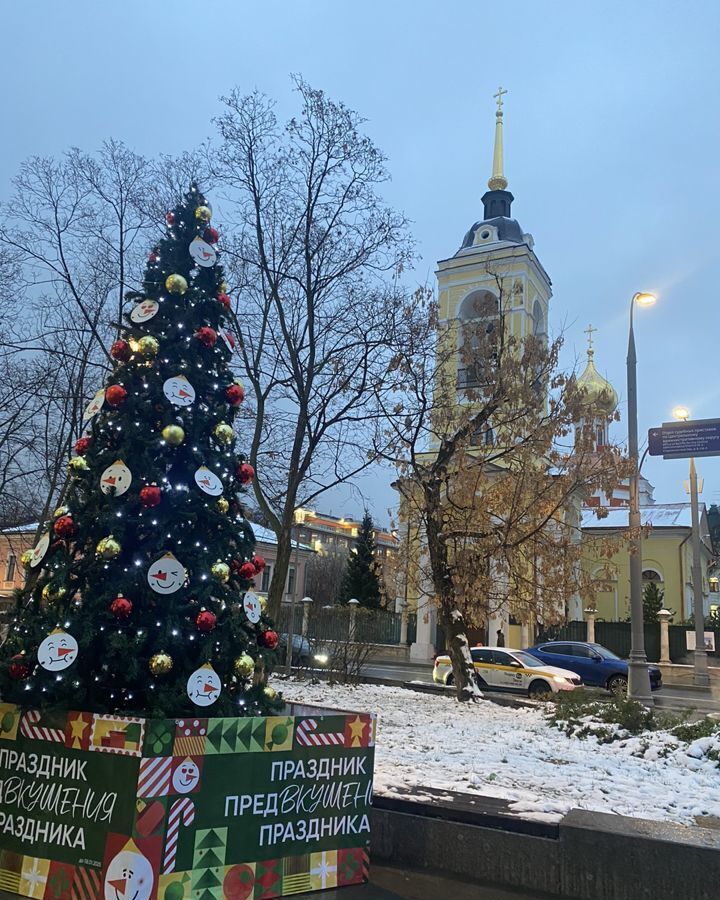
x,y
95,405
204,686
129,875
116,479
203,253
251,605
167,574
179,391
144,311
39,551
208,481
58,651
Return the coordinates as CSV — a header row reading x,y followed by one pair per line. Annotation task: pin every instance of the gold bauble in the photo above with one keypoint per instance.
x,y
222,505
220,571
50,593
26,559
270,693
173,435
61,511
223,433
108,548
148,346
263,604
160,664
244,666
204,213
223,287
77,465
176,284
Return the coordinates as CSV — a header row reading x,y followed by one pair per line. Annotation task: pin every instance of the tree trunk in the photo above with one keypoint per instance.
x,y
279,575
451,618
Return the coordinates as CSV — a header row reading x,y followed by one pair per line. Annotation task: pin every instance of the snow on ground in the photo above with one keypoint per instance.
x,y
432,741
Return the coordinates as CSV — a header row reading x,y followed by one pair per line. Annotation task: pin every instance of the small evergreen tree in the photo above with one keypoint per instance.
x,y
138,597
361,579
653,599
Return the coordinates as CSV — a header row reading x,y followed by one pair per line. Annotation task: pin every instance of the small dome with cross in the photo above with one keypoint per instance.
x,y
600,396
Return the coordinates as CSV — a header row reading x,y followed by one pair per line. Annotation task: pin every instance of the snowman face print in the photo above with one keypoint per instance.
x,y
166,575
144,311
116,479
208,481
203,253
204,686
186,776
58,651
95,405
179,391
129,876
251,605
39,551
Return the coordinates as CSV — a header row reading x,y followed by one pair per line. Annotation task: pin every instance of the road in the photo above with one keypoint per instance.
x,y
670,698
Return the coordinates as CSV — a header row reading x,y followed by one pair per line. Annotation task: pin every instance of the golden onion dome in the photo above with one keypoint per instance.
x,y
600,395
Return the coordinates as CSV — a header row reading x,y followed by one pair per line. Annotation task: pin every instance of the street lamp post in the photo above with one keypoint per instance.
x,y
700,664
298,519
638,675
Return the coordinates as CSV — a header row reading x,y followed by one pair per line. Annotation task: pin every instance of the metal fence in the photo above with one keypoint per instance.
x,y
332,623
616,637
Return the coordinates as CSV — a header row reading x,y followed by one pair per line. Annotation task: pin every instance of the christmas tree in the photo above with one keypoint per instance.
x,y
138,598
361,580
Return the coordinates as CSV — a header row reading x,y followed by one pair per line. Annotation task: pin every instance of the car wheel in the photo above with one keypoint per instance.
x,y
450,680
539,690
618,685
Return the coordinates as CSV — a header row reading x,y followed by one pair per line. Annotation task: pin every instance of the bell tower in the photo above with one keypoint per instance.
x,y
495,271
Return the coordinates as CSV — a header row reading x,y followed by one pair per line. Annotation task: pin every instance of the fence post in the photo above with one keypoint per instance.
x,y
306,601
524,635
353,604
403,624
664,616
590,616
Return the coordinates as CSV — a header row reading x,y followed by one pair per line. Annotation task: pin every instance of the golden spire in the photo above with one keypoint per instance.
x,y
498,181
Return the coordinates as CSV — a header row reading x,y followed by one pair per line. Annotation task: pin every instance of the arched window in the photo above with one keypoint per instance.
x,y
479,315
538,317
652,575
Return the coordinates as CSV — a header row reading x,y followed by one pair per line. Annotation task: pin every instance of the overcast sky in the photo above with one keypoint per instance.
x,y
611,138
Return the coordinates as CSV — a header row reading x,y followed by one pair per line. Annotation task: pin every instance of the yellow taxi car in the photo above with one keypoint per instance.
x,y
502,669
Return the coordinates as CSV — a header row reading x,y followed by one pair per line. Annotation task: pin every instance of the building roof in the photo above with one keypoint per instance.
x,y
659,515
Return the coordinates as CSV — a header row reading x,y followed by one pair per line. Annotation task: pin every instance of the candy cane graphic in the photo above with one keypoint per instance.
x,y
307,734
29,730
184,809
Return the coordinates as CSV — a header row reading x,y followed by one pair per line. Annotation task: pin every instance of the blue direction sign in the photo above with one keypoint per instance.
x,y
679,440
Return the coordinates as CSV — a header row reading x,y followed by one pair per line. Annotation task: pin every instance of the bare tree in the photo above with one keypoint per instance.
x,y
314,262
323,578
491,468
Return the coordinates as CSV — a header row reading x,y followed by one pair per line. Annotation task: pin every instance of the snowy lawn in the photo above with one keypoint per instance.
x,y
431,741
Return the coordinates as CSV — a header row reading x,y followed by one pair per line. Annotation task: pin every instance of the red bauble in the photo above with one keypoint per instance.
x,y
235,394
150,496
121,350
211,235
116,395
153,258
235,566
225,300
82,445
64,527
207,336
245,473
18,667
270,639
121,607
205,621
230,339
258,562
247,571
170,218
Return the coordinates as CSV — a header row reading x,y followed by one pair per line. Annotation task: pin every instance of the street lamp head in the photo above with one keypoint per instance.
x,y
681,412
645,298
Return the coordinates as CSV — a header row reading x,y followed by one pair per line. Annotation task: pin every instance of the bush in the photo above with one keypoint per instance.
x,y
612,719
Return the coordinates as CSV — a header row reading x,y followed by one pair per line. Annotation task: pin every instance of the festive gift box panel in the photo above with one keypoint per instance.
x,y
124,808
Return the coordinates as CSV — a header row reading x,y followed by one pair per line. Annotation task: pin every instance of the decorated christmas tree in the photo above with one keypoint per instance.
x,y
139,598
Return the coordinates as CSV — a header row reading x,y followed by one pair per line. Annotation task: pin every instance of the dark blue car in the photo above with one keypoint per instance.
x,y
595,664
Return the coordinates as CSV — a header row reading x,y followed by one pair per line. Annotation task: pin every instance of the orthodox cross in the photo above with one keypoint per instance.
x,y
499,98
589,331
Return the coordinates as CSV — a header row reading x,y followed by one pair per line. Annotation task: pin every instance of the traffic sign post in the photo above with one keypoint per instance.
x,y
682,440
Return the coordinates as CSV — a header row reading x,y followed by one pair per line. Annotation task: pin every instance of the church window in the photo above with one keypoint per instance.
x,y
479,314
